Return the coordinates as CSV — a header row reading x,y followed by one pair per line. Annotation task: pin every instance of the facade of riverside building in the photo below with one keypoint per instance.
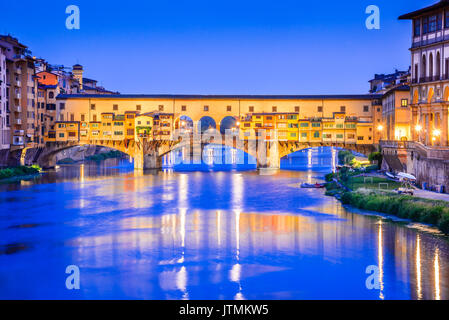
x,y
4,114
328,118
430,73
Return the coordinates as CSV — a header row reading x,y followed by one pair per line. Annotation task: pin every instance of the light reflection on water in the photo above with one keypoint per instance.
x,y
204,235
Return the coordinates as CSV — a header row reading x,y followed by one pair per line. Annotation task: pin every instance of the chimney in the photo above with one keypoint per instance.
x,y
77,71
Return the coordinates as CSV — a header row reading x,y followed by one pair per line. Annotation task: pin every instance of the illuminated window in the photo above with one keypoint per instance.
x,y
404,102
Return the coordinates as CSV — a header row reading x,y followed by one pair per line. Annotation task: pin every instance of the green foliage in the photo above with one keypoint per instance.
x,y
416,209
19,171
328,177
105,155
376,156
345,156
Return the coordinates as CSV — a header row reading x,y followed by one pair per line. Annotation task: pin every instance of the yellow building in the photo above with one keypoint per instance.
x,y
144,127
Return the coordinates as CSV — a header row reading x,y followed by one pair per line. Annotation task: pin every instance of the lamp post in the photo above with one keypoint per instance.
x,y
380,128
435,135
418,129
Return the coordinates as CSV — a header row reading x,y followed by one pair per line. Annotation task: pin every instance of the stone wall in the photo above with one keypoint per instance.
x,y
432,171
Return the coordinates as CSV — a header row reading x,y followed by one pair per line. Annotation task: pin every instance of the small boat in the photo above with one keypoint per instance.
x,y
389,175
310,185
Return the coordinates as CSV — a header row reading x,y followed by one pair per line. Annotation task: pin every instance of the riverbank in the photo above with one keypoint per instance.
x,y
19,172
377,194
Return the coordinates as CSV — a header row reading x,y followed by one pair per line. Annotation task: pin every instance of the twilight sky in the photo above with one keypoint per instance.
x,y
219,46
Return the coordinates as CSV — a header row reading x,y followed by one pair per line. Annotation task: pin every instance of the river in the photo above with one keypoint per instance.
x,y
230,234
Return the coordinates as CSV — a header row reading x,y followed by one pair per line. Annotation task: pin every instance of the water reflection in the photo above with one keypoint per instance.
x,y
205,235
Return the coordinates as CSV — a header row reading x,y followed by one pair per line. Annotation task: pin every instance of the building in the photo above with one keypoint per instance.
x,y
21,96
5,136
321,119
430,73
382,82
396,114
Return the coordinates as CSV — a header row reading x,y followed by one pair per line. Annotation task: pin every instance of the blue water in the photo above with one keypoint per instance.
x,y
206,235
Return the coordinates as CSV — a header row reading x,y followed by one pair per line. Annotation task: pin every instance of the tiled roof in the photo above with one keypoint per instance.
x,y
221,97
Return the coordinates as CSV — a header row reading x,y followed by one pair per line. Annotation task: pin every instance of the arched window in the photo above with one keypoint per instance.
x,y
438,66
423,66
431,66
51,95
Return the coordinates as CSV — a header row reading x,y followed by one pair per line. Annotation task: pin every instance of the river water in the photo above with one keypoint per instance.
x,y
231,234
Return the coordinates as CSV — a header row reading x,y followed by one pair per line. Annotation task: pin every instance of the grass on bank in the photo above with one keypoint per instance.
x,y
434,212
19,171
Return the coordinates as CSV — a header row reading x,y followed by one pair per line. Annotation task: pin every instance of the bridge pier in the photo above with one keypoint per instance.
x,y
147,161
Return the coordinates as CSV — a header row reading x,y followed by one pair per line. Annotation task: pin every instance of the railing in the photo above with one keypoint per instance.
x,y
429,152
429,41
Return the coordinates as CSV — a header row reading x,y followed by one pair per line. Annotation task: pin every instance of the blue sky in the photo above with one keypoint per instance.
x,y
219,46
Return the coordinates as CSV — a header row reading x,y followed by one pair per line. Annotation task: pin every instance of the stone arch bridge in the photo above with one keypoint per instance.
x,y
147,154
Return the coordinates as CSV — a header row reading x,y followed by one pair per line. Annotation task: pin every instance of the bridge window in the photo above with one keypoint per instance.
x,y
229,108
360,138
161,107
351,136
304,125
130,132
206,108
342,109
297,109
316,134
365,108
72,117
72,134
92,107
61,106
115,107
251,109
303,134
61,135
320,108
183,108
316,124
339,136
293,134
83,117
138,107
275,109
94,117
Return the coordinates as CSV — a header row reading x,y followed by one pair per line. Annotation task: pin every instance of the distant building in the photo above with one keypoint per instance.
x,y
21,92
396,114
382,82
5,136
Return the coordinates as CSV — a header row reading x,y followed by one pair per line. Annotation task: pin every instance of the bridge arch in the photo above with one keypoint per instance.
x,y
183,122
205,123
227,123
47,158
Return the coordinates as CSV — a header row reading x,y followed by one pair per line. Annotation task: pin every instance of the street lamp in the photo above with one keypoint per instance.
x,y
436,133
380,128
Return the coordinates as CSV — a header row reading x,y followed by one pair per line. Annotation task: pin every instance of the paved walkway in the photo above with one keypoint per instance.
x,y
431,195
